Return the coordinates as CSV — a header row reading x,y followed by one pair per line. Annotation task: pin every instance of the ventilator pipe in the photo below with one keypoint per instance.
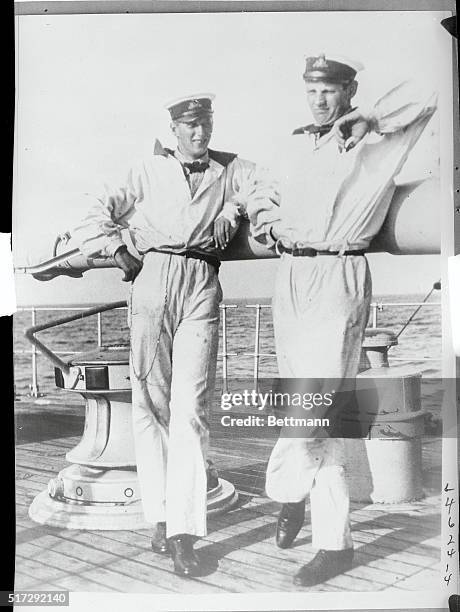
x,y
411,227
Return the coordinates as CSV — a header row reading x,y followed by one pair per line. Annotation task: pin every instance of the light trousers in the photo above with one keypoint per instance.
x,y
173,318
320,311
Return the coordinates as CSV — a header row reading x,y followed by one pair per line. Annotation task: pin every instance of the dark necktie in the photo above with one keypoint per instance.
x,y
195,166
319,130
194,172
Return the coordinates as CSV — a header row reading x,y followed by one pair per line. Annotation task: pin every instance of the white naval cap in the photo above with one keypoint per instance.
x,y
331,67
190,107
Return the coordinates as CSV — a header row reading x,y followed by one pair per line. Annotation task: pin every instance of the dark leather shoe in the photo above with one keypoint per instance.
x,y
325,565
290,521
186,562
158,542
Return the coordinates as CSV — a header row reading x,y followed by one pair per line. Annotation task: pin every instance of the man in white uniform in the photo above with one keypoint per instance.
x,y
337,190
181,207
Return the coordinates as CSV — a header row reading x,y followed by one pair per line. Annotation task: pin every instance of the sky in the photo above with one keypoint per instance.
x,y
90,102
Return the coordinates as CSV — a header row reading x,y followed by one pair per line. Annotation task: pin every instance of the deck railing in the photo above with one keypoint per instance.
x,y
376,307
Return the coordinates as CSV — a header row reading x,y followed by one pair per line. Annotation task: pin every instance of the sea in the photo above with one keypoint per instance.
x,y
419,344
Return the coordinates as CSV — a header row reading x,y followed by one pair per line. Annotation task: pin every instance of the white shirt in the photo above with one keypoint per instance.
x,y
193,178
333,200
155,204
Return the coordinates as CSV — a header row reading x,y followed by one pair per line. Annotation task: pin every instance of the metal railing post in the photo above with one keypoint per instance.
x,y
374,309
224,350
34,390
256,355
256,348
99,328
225,355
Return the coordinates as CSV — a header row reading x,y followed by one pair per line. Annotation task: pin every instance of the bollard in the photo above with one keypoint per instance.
x,y
383,427
374,353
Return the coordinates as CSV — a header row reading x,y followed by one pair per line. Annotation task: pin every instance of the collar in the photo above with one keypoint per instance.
x,y
218,158
313,129
203,159
212,173
318,131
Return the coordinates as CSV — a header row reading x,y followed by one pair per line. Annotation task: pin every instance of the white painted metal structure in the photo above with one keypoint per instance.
x,y
100,490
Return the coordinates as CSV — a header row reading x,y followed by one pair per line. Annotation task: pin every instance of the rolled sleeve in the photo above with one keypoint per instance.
x,y
258,196
402,106
99,232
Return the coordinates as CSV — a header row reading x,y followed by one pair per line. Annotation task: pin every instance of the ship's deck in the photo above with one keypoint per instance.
x,y
397,546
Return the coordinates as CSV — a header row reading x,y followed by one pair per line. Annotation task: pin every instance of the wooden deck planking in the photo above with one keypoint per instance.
x,y
99,556
420,581
35,463
401,533
75,562
247,515
223,578
140,545
62,562
275,565
267,548
363,514
85,583
141,561
289,566
397,547
38,571
30,486
384,563
363,551
370,545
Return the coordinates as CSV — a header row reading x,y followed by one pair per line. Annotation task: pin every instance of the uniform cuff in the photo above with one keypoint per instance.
x,y
271,240
113,247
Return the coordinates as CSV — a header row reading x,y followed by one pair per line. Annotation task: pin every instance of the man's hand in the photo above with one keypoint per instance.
x,y
222,232
130,265
350,129
279,237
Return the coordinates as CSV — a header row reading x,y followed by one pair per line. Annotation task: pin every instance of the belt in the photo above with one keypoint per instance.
x,y
310,252
209,259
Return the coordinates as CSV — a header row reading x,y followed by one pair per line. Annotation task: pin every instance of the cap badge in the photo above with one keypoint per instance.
x,y
193,104
320,62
